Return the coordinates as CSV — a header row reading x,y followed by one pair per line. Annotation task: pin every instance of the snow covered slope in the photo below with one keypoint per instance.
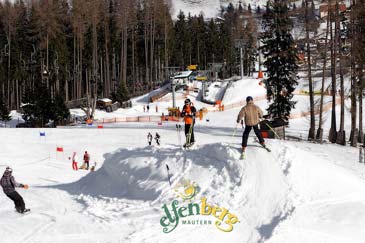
x,y
300,192
210,8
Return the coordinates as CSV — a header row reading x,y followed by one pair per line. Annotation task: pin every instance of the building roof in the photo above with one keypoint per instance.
x,y
324,7
183,74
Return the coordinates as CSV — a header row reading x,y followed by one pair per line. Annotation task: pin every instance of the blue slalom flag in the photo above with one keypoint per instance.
x,y
42,134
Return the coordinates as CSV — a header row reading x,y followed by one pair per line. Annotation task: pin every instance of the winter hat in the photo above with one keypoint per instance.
x,y
187,101
8,170
249,98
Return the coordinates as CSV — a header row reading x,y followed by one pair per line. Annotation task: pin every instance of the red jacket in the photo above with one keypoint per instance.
x,y
86,157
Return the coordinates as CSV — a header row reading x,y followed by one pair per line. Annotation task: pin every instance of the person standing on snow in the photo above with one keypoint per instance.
x,y
8,184
252,115
149,139
188,113
74,161
86,160
157,138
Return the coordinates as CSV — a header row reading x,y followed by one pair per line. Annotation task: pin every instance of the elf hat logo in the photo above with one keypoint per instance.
x,y
187,190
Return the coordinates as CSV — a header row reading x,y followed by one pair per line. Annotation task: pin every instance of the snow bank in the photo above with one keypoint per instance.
x,y
240,89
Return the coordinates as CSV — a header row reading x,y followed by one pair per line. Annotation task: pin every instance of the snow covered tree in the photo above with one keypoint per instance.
x,y
281,55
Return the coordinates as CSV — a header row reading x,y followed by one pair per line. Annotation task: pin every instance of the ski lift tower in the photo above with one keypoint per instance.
x,y
240,44
180,78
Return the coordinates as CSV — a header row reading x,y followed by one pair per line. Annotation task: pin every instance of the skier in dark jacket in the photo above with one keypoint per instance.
x,y
149,139
157,138
8,184
189,112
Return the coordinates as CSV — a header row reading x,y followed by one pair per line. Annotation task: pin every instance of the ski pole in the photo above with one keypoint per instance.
x,y
235,130
168,174
189,134
178,129
272,130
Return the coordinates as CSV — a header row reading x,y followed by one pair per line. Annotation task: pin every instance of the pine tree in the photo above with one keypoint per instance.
x,y
122,94
281,55
39,108
4,112
60,111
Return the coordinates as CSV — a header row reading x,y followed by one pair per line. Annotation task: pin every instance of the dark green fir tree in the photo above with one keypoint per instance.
x,y
280,53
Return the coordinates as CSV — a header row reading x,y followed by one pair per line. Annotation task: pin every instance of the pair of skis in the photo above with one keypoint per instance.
x,y
188,144
243,154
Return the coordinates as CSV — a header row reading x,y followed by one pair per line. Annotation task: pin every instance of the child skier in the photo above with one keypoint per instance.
x,y
8,184
74,161
188,113
157,138
149,139
252,115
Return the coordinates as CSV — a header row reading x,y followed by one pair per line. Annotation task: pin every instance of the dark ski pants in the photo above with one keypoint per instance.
x,y
18,201
246,133
87,164
187,130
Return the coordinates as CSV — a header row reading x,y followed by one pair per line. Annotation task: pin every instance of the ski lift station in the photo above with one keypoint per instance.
x,y
182,78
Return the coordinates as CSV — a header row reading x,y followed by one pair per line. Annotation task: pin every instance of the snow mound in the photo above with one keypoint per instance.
x,y
131,174
141,174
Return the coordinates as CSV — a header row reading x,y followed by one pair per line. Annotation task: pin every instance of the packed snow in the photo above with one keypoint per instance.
x,y
300,192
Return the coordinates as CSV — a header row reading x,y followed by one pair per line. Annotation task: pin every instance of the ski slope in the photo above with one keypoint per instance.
x,y
300,192
209,8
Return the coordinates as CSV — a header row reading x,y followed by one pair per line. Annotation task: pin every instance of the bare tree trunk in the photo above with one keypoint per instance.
x,y
133,62
146,53
361,89
319,135
9,64
125,56
114,71
333,131
152,40
354,131
166,50
107,63
341,135
311,134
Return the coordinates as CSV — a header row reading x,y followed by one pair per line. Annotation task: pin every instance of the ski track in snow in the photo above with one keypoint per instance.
x,y
300,192
264,191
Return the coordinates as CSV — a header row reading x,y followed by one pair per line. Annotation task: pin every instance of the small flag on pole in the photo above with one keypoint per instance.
x,y
100,126
42,134
59,149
